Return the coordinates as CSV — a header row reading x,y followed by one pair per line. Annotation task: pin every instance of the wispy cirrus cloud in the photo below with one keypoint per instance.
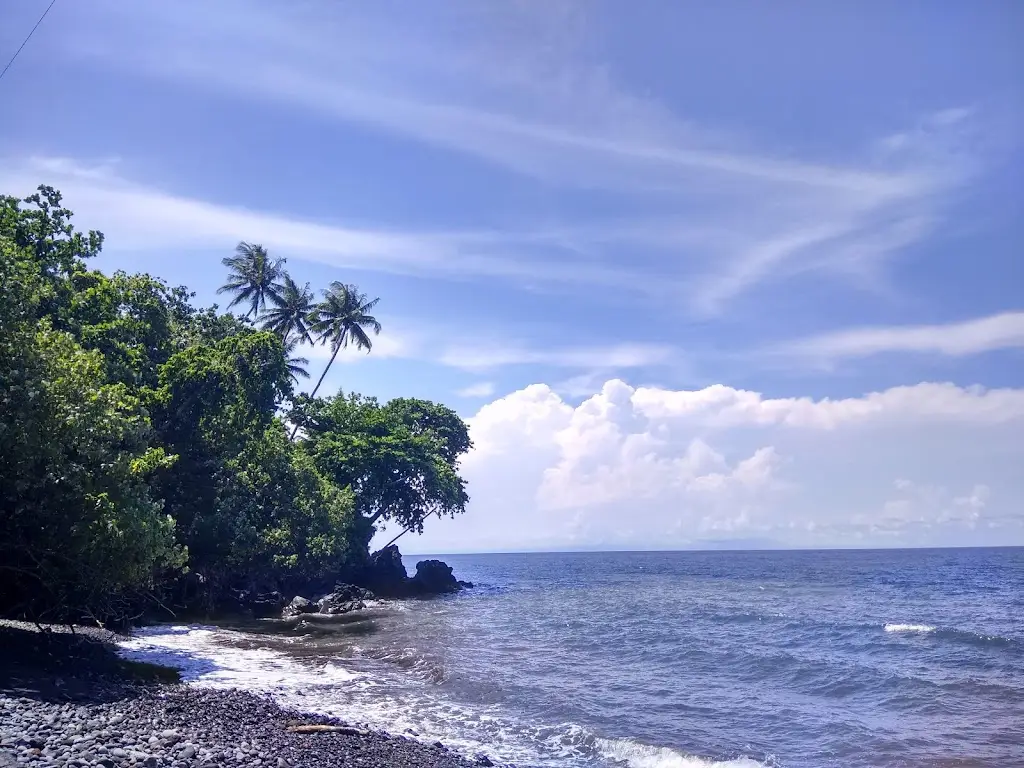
x,y
483,356
969,337
521,94
480,389
142,217
483,351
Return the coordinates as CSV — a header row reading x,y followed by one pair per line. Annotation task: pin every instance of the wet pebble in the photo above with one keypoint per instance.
x,y
187,727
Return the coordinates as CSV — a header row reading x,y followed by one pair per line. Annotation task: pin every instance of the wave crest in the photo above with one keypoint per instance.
x,y
922,628
636,755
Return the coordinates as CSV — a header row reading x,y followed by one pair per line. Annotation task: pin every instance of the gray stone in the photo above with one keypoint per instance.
x,y
298,606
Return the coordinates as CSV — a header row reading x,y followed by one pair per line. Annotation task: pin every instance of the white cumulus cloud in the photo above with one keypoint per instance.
x,y
658,468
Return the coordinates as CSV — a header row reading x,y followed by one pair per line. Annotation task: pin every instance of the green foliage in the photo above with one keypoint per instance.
x,y
45,230
401,459
130,319
141,438
80,526
215,400
286,517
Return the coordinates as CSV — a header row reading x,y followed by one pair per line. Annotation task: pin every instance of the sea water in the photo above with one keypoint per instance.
x,y
666,659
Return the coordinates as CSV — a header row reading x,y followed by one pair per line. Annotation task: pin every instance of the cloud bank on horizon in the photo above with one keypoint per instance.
x,y
646,466
699,275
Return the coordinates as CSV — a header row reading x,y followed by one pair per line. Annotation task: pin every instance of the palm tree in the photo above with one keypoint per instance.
x,y
342,319
292,308
296,365
254,277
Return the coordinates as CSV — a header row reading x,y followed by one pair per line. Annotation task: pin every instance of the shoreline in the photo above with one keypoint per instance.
x,y
70,701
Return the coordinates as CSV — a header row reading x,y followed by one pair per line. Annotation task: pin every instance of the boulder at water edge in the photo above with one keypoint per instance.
x,y
385,574
298,606
434,577
344,599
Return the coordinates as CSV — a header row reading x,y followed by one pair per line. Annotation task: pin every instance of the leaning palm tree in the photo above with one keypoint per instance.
x,y
341,319
290,314
254,277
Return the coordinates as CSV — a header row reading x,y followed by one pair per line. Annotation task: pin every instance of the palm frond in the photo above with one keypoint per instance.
x,y
253,276
360,339
341,318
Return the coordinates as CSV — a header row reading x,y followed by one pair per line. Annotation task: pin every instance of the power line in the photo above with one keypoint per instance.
x,y
27,38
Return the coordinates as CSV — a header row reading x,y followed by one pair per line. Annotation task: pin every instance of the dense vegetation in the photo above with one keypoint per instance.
x,y
144,445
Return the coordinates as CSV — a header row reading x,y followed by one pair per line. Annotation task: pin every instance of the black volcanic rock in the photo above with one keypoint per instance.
x,y
386,576
344,599
433,577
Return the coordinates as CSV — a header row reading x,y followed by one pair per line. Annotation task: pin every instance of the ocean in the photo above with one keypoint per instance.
x,y
666,659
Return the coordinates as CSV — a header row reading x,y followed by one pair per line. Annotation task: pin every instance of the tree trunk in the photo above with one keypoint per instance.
x,y
418,522
321,381
330,362
396,538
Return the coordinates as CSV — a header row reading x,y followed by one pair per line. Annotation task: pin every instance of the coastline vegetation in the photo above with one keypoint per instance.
x,y
155,452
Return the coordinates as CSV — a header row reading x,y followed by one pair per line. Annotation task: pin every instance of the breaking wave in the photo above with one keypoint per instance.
x,y
214,657
922,628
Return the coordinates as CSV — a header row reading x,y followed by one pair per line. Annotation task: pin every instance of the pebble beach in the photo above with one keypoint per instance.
x,y
68,702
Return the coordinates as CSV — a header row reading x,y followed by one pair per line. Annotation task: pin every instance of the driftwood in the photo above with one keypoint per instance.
x,y
345,730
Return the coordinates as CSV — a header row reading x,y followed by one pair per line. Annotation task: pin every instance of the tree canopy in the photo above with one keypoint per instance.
x,y
143,440
400,458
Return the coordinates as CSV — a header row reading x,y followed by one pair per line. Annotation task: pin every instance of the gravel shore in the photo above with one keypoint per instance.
x,y
69,702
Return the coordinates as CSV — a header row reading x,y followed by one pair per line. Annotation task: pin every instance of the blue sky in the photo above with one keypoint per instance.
x,y
695,272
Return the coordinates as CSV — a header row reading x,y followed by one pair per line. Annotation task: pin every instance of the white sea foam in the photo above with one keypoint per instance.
x,y
391,700
206,656
637,755
923,628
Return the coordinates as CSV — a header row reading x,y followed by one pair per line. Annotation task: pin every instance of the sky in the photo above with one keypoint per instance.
x,y
698,275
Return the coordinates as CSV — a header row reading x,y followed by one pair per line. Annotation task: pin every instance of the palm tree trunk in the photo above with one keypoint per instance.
x,y
329,364
321,381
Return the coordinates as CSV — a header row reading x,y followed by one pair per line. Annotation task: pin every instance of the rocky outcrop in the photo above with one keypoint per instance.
x,y
385,574
433,577
344,599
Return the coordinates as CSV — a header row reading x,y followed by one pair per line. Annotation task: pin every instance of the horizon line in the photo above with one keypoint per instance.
x,y
710,549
